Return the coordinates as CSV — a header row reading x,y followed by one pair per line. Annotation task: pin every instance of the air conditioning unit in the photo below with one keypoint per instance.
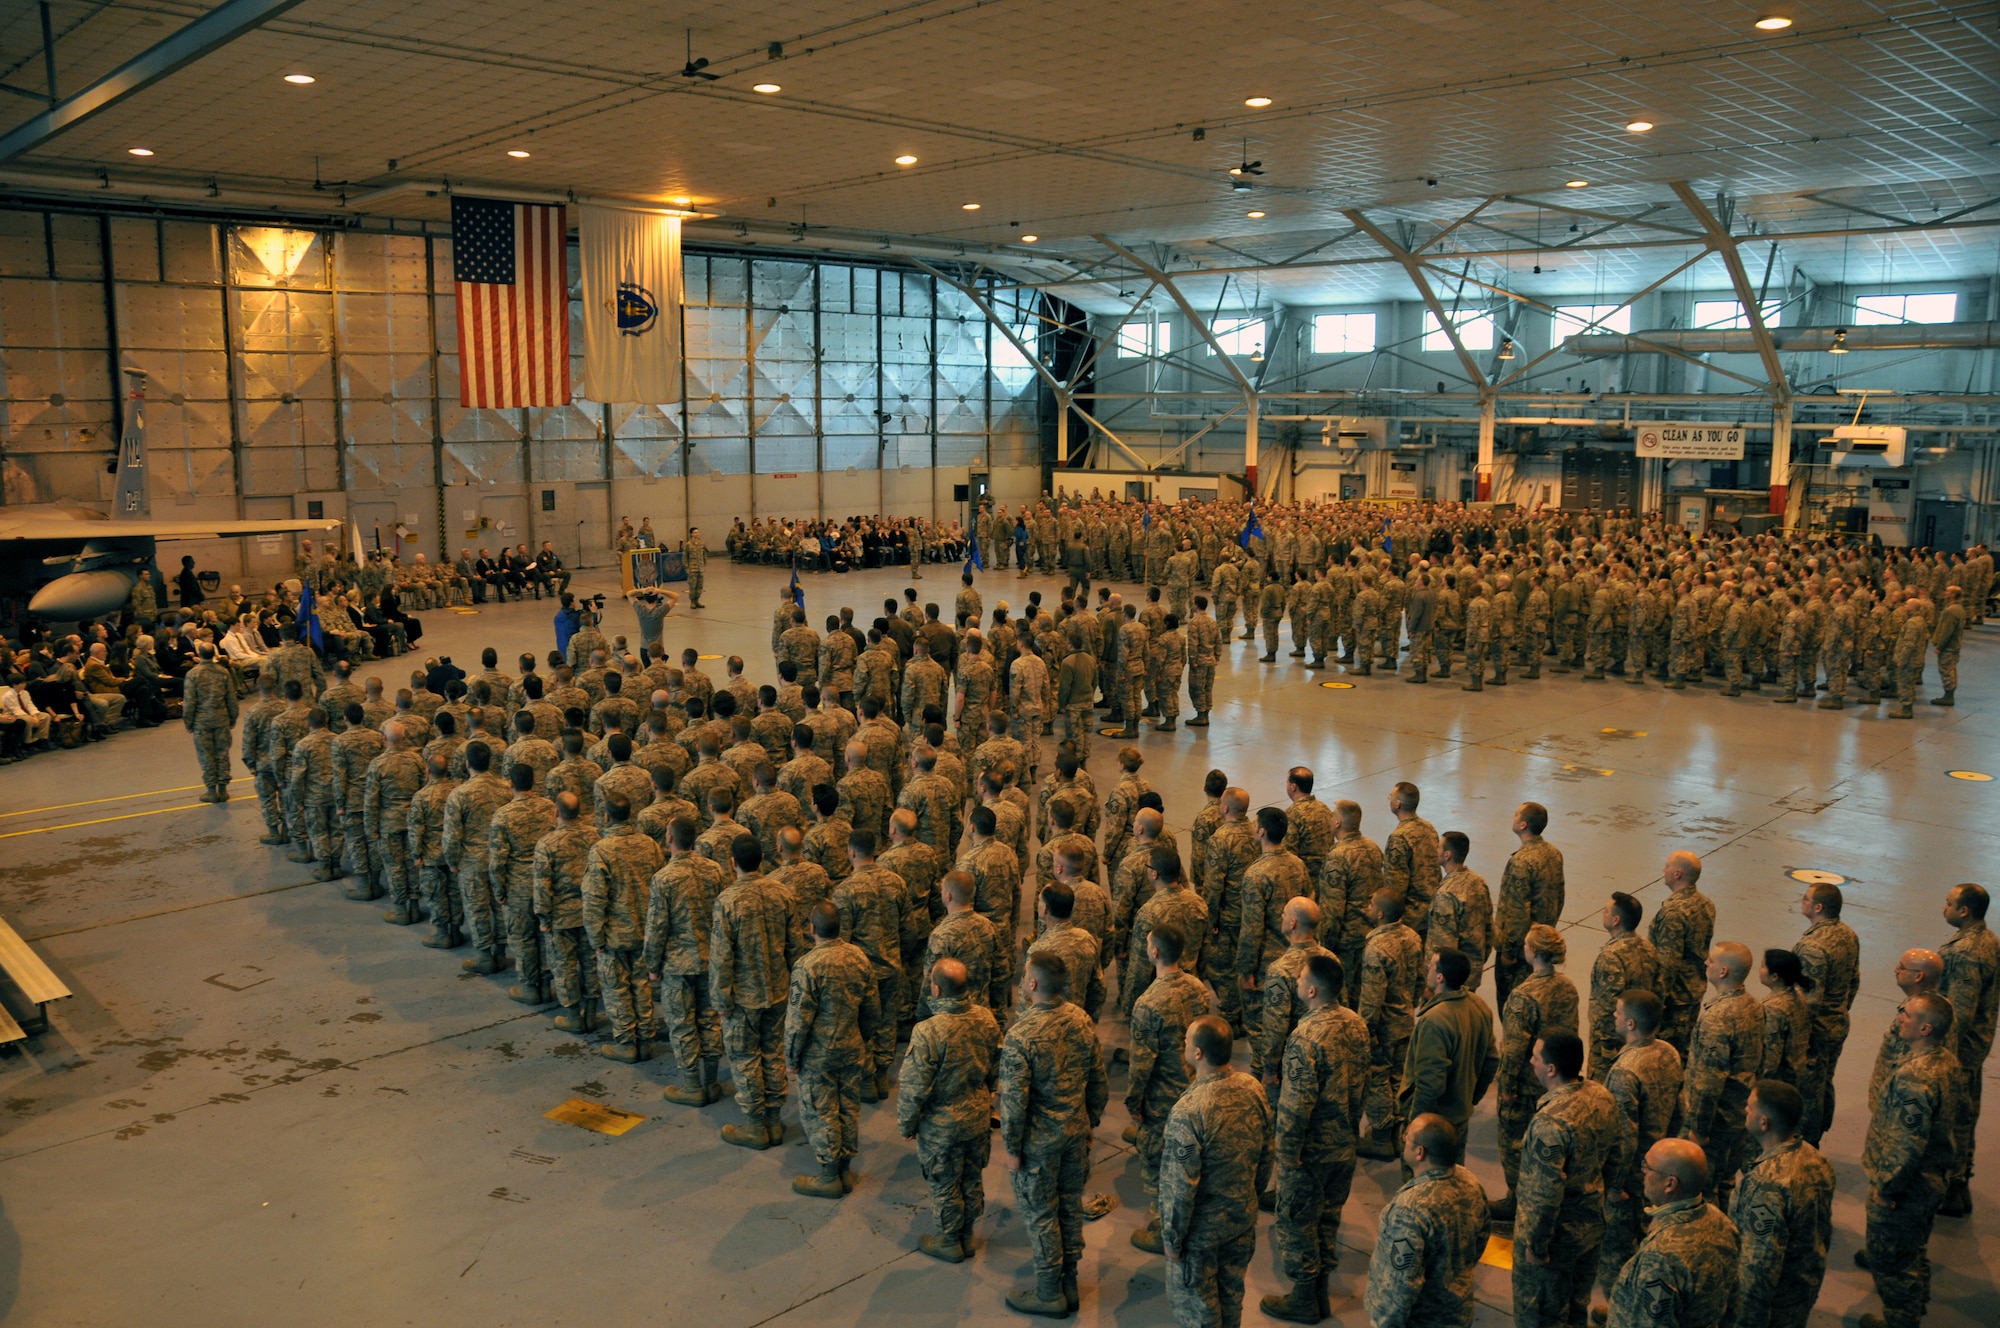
x,y
1369,431
1876,445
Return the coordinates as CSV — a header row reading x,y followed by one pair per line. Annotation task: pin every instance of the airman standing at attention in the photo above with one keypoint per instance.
x,y
1972,985
680,910
1575,1133
1645,1082
1683,1274
617,884
1531,891
945,1100
208,709
694,557
1681,931
832,1014
1626,963
1543,1002
1392,975
1908,1156
1410,857
1462,908
1216,1162
1830,954
1783,1211
562,858
1172,1001
1724,1058
1431,1237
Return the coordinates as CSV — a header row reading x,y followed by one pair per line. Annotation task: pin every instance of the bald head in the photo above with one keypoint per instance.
x,y
1678,1168
1148,824
1731,959
1683,869
1919,970
1235,802
1301,918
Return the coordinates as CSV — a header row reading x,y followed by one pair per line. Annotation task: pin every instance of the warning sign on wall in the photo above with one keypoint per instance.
x,y
1690,442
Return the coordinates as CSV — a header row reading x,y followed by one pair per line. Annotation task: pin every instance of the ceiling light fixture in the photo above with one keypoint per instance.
x,y
140,152
1639,126
1576,184
1839,346
968,207
765,88
906,160
1775,23
1257,355
1029,239
517,152
1253,215
300,79
1507,348
1256,103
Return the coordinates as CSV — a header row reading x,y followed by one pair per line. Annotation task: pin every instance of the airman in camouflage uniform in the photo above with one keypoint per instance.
x,y
1543,1002
1217,1160
515,834
1320,1100
1410,858
965,936
1724,1058
1627,962
752,941
1204,652
870,904
832,1014
1174,904
1783,1211
562,857
1683,1274
1392,977
1907,1156
1461,910
1431,1237
468,821
1280,1005
680,909
1559,1224
617,883
315,793
393,780
1052,1094
1531,891
1830,954
356,746
1173,1000
1353,873
208,709
440,894
1681,931
282,732
1270,883
945,1103
1646,1082
1972,985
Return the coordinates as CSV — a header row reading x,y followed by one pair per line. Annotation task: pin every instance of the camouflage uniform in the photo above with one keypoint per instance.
x,y
945,1099
1645,1081
1319,1113
1178,906
1392,977
1787,1035
426,834
1531,891
562,856
1830,954
831,1016
208,709
282,732
1560,1210
1078,952
468,818
1535,1006
352,751
517,829
871,902
1204,651
1432,1234
1684,1272
1410,867
1353,874
1272,881
1462,919
752,941
1217,1160
969,938
1310,831
1052,1094
865,798
1907,1157
617,881
1626,962
1724,1056
1279,1006
393,780
1783,1211
996,881
315,795
1682,928
919,867
1972,985
1158,1075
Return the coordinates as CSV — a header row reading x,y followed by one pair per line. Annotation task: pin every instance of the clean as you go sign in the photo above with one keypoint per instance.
x,y
1690,442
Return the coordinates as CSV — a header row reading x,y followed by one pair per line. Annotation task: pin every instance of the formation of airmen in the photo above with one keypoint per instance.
x,y
785,882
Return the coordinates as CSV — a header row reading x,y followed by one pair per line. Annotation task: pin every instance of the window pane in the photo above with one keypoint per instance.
x,y
1714,315
1163,338
1475,330
1239,336
1932,307
1343,334
1132,341
1574,318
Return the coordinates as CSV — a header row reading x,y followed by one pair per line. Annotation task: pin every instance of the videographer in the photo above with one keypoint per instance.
x,y
652,605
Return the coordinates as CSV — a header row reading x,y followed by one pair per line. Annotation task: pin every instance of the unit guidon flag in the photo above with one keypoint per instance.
x,y
510,263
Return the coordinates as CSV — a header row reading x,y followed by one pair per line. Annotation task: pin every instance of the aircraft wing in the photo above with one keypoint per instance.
x,y
63,528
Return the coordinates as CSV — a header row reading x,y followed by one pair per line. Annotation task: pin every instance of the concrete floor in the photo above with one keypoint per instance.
x,y
264,1104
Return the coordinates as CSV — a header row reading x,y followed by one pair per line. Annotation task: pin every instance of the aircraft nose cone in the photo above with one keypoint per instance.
x,y
82,595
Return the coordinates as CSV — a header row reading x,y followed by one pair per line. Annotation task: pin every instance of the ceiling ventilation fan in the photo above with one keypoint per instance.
x,y
696,68
1242,172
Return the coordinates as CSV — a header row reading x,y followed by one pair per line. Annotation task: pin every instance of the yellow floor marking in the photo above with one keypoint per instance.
x,y
128,816
123,797
1499,1252
1974,776
1338,686
594,1116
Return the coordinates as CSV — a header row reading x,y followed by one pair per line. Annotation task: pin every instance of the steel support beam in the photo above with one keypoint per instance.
x,y
215,29
1723,243
1413,267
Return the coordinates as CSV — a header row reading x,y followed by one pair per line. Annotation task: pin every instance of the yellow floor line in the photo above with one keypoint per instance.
x,y
123,797
128,816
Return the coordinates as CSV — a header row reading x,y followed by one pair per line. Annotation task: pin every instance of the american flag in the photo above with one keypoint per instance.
x,y
509,261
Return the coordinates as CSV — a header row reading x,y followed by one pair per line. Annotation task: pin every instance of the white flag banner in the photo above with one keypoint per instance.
x,y
631,306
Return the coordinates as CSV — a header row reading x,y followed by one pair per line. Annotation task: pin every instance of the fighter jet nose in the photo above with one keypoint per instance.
x,y
82,595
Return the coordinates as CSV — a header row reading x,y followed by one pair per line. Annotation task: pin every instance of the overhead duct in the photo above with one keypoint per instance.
x,y
1742,341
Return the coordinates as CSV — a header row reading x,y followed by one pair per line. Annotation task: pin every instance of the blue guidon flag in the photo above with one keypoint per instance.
x,y
309,617
1251,530
798,591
